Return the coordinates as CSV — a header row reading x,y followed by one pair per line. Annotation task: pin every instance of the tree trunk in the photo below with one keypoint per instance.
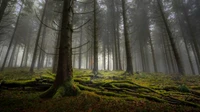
x,y
182,33
23,55
10,64
55,60
16,60
192,34
108,66
37,40
172,41
12,38
152,52
80,49
3,6
63,84
95,69
118,42
129,65
28,48
41,53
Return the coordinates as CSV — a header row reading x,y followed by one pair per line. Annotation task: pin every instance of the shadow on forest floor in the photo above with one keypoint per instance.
x,y
109,91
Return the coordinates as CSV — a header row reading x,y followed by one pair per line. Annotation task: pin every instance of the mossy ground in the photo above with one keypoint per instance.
x,y
108,92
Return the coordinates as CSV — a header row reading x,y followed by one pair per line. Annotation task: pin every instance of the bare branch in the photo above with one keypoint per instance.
x,y
81,45
82,25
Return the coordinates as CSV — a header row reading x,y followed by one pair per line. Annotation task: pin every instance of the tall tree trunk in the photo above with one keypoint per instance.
x,y
166,54
10,64
28,49
118,43
55,60
182,33
129,65
152,52
192,34
41,53
172,41
23,55
12,38
3,6
37,39
80,49
95,69
74,61
16,60
108,66
63,84
104,56
196,58
87,57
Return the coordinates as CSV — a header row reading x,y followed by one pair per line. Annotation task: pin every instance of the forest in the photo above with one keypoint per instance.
x,y
99,55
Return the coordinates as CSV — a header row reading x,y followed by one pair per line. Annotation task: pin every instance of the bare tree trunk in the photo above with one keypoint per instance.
x,y
117,40
152,52
23,55
3,6
191,32
95,69
196,58
108,66
182,33
172,41
87,56
28,48
166,54
37,39
55,60
41,53
10,64
80,49
104,56
12,38
129,67
63,84
16,60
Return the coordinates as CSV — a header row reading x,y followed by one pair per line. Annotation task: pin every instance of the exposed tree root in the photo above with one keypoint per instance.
x,y
121,88
66,89
127,73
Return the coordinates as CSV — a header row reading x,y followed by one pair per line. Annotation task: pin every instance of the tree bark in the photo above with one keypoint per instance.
x,y
12,39
172,41
129,67
63,84
95,69
3,6
80,49
37,40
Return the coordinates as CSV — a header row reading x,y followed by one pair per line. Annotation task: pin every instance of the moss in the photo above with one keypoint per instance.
x,y
111,94
13,83
68,88
183,88
47,76
82,87
82,81
125,85
60,92
152,98
48,93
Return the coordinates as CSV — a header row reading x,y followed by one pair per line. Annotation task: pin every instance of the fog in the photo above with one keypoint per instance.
x,y
142,35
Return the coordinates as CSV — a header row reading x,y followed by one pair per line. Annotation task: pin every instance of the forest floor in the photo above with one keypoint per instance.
x,y
108,92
